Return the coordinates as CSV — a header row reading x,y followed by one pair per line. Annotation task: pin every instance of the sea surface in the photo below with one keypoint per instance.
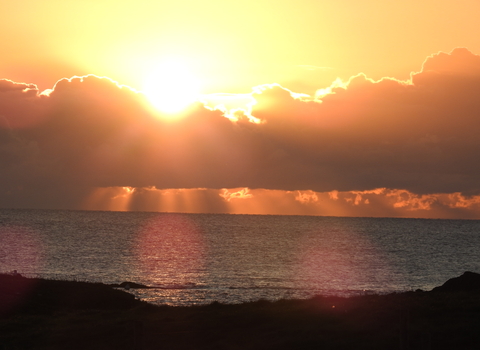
x,y
200,258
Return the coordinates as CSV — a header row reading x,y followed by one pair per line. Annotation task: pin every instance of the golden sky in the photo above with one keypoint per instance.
x,y
340,107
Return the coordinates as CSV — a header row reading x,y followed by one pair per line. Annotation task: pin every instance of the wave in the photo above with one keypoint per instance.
x,y
176,286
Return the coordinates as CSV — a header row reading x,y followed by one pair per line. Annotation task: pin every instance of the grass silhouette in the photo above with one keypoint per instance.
x,y
46,314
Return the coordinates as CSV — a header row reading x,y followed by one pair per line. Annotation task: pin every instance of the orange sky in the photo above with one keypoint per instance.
x,y
294,113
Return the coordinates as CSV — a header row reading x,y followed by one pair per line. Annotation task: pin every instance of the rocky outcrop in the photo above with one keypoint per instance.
x,y
468,282
40,295
128,285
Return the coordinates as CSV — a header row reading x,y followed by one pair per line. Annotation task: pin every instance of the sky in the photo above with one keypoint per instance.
x,y
304,107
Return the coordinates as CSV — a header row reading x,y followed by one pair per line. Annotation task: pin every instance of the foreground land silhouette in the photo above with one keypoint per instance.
x,y
49,314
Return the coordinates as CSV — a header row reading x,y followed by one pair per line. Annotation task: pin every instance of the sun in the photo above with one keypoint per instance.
x,y
171,86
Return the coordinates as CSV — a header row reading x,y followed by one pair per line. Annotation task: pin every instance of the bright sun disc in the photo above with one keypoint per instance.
x,y
171,87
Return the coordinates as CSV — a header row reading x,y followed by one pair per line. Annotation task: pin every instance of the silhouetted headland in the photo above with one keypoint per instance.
x,y
50,314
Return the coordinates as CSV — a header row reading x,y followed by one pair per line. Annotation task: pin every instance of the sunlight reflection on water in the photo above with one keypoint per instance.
x,y
21,248
170,251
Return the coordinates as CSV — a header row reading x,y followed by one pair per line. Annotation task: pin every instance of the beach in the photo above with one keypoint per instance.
x,y
49,314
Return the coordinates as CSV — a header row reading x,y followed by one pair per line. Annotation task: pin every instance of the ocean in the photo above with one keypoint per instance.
x,y
193,259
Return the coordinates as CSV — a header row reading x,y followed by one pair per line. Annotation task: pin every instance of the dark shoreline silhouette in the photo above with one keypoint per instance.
x,y
49,314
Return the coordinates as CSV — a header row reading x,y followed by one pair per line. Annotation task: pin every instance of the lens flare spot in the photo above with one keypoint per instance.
x,y
21,253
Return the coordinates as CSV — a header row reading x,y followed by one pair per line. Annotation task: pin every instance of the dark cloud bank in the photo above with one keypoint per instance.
x,y
421,136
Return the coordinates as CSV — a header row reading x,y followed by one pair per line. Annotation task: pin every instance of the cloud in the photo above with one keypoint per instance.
x,y
20,104
88,133
460,62
306,197
418,135
229,194
379,202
